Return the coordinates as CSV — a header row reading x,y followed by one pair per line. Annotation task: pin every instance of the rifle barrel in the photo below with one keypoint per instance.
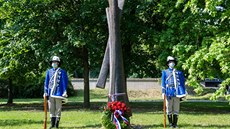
x,y
164,111
45,111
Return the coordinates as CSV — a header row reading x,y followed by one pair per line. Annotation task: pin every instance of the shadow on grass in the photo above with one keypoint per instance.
x,y
146,126
97,126
30,106
137,107
18,122
184,126
188,107
204,126
22,122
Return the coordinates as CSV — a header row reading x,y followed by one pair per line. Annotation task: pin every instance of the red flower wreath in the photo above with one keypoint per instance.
x,y
112,108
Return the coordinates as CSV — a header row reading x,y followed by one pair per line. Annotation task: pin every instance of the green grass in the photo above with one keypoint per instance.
x,y
28,113
148,115
101,95
77,119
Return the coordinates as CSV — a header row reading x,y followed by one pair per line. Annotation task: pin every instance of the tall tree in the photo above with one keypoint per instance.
x,y
33,31
211,59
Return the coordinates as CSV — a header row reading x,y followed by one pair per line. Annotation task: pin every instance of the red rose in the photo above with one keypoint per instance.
x,y
109,105
114,108
118,103
123,105
119,107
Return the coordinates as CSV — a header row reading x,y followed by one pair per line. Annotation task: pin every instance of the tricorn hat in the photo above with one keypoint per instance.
x,y
170,58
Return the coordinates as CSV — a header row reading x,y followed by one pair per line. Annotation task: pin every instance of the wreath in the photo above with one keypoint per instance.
x,y
116,116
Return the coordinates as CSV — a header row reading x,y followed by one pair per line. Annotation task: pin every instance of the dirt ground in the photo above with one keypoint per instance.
x,y
150,93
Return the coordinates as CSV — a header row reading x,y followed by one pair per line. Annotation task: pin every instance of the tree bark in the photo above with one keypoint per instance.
x,y
86,77
10,91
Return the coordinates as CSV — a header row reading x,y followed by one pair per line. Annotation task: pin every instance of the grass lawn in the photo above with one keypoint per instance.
x,y
28,114
91,119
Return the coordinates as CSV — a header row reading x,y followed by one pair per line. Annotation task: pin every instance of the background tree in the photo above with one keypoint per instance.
x,y
36,30
76,30
210,60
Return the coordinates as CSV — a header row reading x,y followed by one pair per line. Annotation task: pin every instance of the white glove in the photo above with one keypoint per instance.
x,y
163,96
45,95
65,95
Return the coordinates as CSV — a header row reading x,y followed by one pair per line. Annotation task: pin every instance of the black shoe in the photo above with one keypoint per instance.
x,y
52,122
175,119
57,122
170,121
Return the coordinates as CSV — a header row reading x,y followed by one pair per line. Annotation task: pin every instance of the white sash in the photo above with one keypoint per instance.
x,y
55,85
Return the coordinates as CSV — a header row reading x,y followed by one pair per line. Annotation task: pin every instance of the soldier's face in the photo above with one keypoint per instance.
x,y
171,64
55,64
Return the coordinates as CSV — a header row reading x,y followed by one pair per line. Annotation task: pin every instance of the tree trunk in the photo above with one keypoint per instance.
x,y
86,77
10,91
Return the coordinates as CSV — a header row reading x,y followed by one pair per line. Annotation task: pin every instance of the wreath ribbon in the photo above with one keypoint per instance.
x,y
116,121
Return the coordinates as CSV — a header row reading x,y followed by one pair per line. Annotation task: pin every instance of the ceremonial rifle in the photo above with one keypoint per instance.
x,y
45,111
164,107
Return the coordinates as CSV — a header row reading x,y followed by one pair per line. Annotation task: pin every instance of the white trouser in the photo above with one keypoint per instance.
x,y
173,105
55,106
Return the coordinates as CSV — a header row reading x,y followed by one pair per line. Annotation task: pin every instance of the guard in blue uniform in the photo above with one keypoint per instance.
x,y
55,89
173,86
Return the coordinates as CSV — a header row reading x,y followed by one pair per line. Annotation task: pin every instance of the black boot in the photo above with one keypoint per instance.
x,y
175,119
52,122
57,122
170,121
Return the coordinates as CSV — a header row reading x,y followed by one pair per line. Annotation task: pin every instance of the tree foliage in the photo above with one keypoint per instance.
x,y
35,30
196,32
210,60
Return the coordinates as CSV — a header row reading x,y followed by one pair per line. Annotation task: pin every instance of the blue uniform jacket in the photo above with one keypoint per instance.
x,y
62,82
168,85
